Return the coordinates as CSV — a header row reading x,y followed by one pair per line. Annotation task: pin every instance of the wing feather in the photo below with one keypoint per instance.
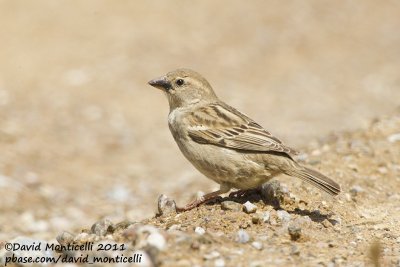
x,y
221,125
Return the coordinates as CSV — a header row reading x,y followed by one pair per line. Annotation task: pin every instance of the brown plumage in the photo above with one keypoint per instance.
x,y
224,144
233,130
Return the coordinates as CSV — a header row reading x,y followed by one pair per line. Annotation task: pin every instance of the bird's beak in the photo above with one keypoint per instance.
x,y
161,83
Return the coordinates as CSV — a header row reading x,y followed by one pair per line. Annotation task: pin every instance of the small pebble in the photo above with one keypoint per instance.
x,y
257,218
294,232
294,250
283,216
394,138
212,255
249,207
65,238
302,221
266,216
242,236
335,220
326,223
85,237
355,190
166,205
231,205
257,245
199,230
102,227
156,240
273,218
175,227
119,193
219,263
382,170
316,152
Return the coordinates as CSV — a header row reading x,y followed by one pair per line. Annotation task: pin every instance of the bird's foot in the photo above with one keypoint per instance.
x,y
199,201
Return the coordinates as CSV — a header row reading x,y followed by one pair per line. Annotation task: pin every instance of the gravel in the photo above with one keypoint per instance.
x,y
242,236
257,245
157,240
166,205
249,207
294,232
283,216
102,227
199,230
356,190
231,205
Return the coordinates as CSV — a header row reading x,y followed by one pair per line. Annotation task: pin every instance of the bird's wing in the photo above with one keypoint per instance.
x,y
221,125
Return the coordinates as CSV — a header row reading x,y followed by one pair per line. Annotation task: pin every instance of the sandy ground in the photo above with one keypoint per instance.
x,y
83,137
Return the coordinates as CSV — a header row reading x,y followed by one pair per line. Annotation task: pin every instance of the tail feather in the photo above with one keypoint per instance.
x,y
317,179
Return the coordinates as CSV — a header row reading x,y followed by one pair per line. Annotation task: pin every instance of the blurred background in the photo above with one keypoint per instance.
x,y
82,135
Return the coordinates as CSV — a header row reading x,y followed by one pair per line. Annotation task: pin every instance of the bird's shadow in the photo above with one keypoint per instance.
x,y
255,196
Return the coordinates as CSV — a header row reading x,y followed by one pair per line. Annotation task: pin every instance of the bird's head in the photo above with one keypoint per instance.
x,y
184,87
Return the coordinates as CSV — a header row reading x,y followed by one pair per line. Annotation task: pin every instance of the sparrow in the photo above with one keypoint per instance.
x,y
225,145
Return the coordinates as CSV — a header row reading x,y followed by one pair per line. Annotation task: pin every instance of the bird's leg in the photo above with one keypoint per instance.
x,y
243,192
207,197
199,201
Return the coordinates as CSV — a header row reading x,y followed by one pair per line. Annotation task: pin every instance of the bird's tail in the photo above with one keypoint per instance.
x,y
317,179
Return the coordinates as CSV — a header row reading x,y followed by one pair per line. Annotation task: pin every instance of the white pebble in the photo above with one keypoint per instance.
x,y
199,230
242,236
81,237
394,138
316,152
249,207
283,215
382,170
266,216
5,181
257,245
219,263
355,190
119,193
166,205
212,255
156,240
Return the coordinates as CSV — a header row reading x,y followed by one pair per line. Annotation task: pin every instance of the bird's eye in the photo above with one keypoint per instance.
x,y
180,82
